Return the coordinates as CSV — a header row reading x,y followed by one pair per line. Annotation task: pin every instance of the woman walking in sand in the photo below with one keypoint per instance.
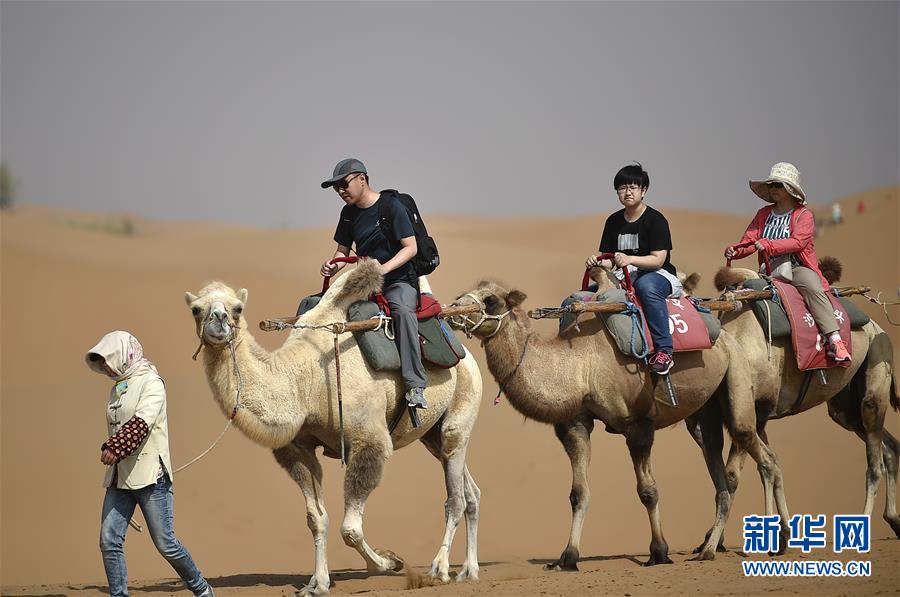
x,y
137,456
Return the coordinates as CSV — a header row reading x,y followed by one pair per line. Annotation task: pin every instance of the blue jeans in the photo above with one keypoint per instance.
x,y
653,289
156,504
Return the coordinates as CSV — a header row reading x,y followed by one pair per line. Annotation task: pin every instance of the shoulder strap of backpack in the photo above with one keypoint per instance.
x,y
385,206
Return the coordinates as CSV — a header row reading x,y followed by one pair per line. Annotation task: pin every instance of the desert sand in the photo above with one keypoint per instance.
x,y
69,277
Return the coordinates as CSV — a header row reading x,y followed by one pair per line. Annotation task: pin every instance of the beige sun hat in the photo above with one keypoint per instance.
x,y
782,172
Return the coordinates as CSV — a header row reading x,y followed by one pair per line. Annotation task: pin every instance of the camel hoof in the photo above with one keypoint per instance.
x,y
561,566
703,556
312,588
467,574
895,524
656,560
394,562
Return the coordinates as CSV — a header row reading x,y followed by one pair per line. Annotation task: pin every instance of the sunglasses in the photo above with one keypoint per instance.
x,y
775,185
345,182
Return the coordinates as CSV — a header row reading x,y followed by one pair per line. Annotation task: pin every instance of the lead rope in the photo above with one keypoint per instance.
x,y
337,368
237,404
877,300
637,325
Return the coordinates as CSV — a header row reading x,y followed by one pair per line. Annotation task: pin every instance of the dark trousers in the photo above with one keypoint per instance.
x,y
402,297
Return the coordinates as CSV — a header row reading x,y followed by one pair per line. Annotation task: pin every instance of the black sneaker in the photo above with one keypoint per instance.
x,y
660,363
416,397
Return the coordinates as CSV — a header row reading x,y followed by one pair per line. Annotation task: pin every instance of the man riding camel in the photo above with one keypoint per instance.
x,y
359,225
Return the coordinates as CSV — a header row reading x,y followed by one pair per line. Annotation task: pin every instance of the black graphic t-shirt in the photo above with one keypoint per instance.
x,y
650,232
359,227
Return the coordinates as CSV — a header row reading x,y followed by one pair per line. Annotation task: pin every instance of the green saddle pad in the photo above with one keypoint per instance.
x,y
440,346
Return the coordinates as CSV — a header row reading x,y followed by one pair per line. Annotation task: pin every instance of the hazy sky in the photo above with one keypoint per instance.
x,y
236,111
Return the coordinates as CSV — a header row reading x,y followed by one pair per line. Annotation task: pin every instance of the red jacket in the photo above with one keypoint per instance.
x,y
800,243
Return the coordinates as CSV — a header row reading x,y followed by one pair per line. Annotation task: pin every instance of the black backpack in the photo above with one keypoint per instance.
x,y
427,258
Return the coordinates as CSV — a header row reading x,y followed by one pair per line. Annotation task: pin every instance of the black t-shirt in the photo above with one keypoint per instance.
x,y
360,227
650,232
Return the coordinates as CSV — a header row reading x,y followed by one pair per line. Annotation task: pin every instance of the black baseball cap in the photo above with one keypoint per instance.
x,y
343,168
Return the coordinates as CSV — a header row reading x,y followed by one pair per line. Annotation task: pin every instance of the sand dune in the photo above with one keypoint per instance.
x,y
68,277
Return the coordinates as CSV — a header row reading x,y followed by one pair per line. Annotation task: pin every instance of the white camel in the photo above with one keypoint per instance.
x,y
286,400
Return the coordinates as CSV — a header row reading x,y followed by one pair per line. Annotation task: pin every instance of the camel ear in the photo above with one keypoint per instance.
x,y
189,298
515,298
242,295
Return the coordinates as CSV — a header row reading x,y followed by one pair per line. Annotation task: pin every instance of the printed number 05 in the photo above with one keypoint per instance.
x,y
677,323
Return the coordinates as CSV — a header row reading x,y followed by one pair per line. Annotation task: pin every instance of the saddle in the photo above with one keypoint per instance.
x,y
686,323
438,344
788,315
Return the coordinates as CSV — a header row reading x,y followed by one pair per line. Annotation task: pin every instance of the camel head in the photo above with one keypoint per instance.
x,y
496,303
217,311
605,278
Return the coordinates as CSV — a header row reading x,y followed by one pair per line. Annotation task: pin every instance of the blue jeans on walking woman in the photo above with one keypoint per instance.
x,y
653,289
156,504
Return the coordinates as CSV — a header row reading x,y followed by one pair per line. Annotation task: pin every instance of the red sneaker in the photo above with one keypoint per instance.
x,y
837,351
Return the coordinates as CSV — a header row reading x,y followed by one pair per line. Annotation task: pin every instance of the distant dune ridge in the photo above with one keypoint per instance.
x,y
69,277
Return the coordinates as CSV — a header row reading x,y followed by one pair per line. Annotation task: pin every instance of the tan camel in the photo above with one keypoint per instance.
x,y
858,398
288,403
572,381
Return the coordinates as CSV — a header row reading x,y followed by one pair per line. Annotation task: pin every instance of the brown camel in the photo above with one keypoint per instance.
x,y
287,402
572,381
858,398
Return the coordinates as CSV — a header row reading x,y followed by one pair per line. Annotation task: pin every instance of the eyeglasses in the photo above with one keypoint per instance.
x,y
345,182
775,185
634,188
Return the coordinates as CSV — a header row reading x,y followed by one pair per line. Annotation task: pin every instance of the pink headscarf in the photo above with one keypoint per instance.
x,y
122,352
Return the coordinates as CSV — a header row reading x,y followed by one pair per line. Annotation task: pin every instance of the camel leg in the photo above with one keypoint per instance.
x,y
705,428
448,443
639,439
302,465
851,414
470,567
364,469
747,429
891,456
874,408
575,436
770,473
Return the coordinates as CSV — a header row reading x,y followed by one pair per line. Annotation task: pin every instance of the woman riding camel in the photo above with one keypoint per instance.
x,y
784,232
